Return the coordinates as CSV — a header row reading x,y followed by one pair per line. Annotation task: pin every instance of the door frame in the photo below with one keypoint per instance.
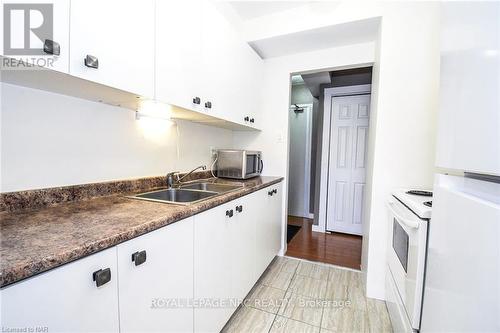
x,y
307,172
329,94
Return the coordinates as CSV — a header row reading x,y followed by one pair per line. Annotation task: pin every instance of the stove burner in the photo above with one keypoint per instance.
x,y
428,203
418,192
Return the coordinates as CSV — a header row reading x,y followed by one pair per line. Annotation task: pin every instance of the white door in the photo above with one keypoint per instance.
x,y
243,244
178,55
213,285
156,275
60,31
300,161
65,299
346,171
120,34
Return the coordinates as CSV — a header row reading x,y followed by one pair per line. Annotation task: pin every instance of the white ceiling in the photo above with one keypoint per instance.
x,y
316,39
247,10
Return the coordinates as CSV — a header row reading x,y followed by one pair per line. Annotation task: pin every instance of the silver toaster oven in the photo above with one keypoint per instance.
x,y
239,164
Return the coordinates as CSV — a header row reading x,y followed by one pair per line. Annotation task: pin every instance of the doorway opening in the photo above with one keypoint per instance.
x,y
329,120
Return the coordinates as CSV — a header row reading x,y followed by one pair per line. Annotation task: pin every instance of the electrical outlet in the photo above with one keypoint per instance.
x,y
213,151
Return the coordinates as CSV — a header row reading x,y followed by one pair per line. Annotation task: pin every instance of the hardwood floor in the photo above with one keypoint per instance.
x,y
335,248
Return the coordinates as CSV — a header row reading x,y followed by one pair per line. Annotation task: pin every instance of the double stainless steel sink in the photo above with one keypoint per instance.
x,y
187,193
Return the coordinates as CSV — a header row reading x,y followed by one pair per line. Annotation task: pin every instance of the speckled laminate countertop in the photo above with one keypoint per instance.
x,y
34,241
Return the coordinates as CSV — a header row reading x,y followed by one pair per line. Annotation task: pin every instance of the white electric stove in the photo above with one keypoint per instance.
x,y
409,216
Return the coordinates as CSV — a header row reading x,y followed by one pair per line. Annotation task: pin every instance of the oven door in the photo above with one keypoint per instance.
x,y
253,164
406,257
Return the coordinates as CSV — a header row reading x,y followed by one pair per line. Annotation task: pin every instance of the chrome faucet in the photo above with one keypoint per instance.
x,y
170,176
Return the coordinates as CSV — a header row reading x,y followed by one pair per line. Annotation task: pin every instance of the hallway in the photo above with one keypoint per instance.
x,y
332,248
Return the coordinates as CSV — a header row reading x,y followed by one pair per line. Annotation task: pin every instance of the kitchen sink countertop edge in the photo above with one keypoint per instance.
x,y
38,240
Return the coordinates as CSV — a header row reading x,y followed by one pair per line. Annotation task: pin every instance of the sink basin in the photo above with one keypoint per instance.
x,y
211,187
176,195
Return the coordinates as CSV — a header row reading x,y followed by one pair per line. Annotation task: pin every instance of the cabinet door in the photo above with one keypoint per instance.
x,y
212,269
65,299
120,34
268,226
155,294
220,64
250,68
243,245
276,203
40,13
178,53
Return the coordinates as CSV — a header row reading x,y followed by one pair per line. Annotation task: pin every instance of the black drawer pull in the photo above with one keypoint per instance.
x,y
252,120
139,257
196,100
275,191
239,208
208,105
91,61
102,276
246,118
229,213
270,193
51,47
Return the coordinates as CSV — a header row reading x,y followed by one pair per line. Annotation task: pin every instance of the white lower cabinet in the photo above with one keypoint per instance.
x,y
65,299
156,280
212,268
268,226
233,245
189,276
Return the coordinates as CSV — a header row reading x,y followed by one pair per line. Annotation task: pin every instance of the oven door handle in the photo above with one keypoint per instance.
x,y
407,222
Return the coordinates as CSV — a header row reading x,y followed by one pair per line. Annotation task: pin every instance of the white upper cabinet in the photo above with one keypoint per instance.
x,y
156,273
469,113
203,65
178,53
112,43
231,69
47,44
81,296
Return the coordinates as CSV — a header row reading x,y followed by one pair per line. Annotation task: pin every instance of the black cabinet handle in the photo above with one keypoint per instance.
x,y
239,208
196,100
229,213
91,61
246,118
275,191
139,257
208,105
102,276
51,47
252,120
270,193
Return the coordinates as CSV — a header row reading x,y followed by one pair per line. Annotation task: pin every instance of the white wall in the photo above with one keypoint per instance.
x,y
404,102
52,140
276,96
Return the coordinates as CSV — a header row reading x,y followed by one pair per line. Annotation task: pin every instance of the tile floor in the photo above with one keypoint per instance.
x,y
300,296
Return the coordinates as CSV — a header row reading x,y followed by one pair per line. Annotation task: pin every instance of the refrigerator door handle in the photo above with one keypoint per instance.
x,y
407,222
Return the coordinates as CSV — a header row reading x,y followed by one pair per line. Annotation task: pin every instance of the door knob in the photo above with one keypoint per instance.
x,y
91,61
51,47
139,257
102,276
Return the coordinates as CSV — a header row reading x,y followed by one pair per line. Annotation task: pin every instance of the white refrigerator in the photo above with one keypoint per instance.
x,y
462,280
